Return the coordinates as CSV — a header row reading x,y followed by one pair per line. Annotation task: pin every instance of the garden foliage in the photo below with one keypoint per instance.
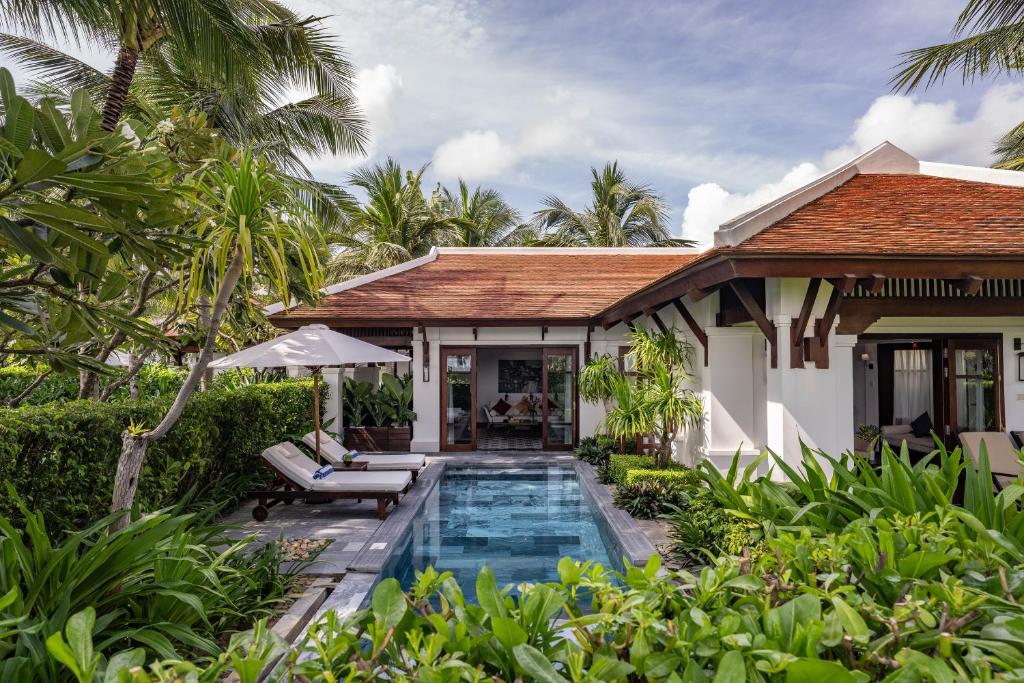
x,y
165,586
62,457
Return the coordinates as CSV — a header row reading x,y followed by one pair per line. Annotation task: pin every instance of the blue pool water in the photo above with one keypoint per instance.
x,y
519,522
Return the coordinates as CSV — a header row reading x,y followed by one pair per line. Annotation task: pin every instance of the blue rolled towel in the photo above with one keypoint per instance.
x,y
323,472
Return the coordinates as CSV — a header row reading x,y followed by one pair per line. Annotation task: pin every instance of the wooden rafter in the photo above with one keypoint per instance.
x,y
796,333
759,317
691,322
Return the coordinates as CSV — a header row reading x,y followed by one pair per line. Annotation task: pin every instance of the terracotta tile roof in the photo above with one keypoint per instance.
x,y
911,215
542,284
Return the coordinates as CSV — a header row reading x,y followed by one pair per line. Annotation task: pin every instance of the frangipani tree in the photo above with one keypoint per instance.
x,y
252,221
653,397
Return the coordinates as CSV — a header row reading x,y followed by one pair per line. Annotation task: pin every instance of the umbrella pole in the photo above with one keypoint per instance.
x,y
316,410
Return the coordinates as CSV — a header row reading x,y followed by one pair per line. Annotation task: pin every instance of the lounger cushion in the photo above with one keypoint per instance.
x,y
333,452
1002,457
298,467
369,482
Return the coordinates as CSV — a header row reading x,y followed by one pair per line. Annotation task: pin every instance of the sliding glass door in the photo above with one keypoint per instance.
x,y
975,391
559,402
458,399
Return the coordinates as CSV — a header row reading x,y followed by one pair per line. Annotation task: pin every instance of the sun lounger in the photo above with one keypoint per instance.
x,y
333,452
295,482
1002,457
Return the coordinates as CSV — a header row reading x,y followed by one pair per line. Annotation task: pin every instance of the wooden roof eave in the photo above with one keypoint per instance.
x,y
722,267
295,321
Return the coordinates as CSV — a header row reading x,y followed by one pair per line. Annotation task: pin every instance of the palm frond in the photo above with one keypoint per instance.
x,y
994,52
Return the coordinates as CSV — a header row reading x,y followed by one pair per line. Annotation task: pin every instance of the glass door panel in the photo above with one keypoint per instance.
x,y
458,396
974,386
559,403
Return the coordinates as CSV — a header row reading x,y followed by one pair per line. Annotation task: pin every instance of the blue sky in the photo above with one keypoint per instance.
x,y
719,105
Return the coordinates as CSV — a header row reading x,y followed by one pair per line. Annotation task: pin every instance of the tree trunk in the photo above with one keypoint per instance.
x,y
204,320
16,401
120,81
133,447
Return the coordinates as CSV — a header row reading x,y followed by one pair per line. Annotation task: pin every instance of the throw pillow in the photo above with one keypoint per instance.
x,y
500,407
922,425
522,407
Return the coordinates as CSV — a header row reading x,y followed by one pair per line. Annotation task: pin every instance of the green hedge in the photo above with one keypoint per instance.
x,y
627,470
62,457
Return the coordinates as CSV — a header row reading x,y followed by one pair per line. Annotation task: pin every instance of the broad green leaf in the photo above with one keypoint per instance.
x,y
508,632
818,671
125,660
731,668
532,662
853,623
56,646
388,603
37,165
918,564
487,594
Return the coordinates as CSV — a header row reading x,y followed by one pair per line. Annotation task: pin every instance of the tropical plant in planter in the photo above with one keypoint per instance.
x,y
379,418
654,398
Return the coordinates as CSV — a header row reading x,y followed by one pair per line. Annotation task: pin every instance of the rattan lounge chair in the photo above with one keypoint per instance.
x,y
295,481
333,452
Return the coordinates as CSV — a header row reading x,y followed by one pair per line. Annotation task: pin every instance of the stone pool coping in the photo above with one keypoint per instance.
x,y
632,542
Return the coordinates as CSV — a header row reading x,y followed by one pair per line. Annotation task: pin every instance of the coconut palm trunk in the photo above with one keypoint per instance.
x,y
133,446
120,81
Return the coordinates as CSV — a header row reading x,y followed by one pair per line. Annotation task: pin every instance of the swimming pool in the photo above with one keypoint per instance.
x,y
519,521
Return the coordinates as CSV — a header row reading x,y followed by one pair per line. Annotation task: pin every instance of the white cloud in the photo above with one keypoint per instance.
x,y
935,131
474,155
709,205
932,131
376,89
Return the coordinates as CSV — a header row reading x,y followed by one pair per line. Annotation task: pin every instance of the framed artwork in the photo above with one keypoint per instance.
x,y
519,376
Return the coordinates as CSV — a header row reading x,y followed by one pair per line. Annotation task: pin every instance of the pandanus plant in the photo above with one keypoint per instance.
x,y
654,398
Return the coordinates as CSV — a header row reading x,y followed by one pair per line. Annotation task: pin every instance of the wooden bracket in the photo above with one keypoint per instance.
x,y
696,294
840,288
691,322
586,344
970,285
796,332
874,284
759,317
474,334
657,321
543,332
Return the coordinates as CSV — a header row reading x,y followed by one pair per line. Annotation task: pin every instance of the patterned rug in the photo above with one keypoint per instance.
x,y
507,440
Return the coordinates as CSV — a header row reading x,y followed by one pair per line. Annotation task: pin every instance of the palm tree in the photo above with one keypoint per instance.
x,y
622,214
988,41
395,224
272,50
481,218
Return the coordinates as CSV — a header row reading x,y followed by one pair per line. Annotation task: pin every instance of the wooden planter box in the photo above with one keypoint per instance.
x,y
370,439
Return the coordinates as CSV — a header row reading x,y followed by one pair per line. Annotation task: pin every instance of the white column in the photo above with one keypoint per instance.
x,y
334,379
728,384
426,394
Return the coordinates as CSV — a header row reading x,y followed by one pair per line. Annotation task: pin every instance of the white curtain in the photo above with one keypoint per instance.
x,y
912,384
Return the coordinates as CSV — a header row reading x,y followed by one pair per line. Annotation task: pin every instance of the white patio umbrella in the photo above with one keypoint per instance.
x,y
313,347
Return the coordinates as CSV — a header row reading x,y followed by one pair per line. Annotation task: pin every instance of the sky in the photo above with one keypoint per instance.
x,y
718,105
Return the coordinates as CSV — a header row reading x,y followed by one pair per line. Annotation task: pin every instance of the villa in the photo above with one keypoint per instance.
x,y
888,291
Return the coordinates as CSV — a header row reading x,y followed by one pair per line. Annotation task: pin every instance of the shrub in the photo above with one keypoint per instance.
x,y
62,457
839,608
595,450
648,498
164,583
630,469
701,529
